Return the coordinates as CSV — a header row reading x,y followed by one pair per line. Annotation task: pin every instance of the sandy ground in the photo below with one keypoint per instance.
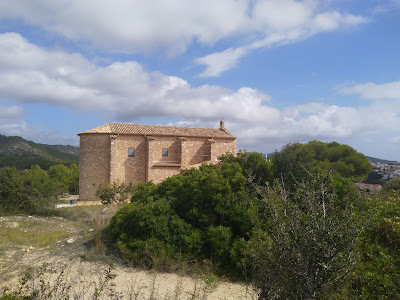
x,y
65,268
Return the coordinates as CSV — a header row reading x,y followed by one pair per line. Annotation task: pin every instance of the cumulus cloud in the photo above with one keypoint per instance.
x,y
147,26
33,75
11,112
277,23
135,26
125,91
11,124
373,91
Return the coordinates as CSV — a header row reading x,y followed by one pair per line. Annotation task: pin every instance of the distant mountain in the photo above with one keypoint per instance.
x,y
382,161
21,153
73,150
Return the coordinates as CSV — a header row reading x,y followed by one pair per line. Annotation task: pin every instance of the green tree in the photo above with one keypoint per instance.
x,y
377,274
304,243
253,165
67,177
38,188
292,163
200,214
11,183
392,185
115,192
295,160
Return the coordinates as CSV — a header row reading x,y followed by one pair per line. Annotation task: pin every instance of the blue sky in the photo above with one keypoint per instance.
x,y
277,71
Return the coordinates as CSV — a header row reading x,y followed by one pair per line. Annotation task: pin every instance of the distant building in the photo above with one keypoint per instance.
x,y
117,152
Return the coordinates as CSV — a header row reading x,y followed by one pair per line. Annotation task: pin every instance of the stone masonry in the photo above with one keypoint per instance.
x,y
158,152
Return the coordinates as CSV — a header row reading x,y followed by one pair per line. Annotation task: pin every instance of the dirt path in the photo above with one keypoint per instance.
x,y
62,249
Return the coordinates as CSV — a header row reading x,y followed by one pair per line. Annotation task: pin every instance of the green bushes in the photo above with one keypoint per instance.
x,y
377,273
307,243
34,190
201,214
295,226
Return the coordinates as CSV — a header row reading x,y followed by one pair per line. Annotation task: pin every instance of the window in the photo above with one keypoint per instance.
x,y
131,151
165,152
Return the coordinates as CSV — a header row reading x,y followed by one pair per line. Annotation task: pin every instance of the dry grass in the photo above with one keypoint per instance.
x,y
79,270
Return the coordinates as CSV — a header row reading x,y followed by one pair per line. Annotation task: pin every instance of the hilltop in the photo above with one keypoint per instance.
x,y
382,161
21,153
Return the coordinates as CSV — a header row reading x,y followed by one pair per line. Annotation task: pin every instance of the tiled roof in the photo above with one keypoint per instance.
x,y
138,129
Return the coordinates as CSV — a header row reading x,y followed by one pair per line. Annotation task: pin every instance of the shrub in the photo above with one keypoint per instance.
x,y
377,274
199,214
304,244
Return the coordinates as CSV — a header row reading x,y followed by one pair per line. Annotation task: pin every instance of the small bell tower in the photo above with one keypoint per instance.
x,y
222,126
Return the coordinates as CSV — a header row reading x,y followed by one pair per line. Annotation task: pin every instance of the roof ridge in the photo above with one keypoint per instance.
x,y
167,130
161,125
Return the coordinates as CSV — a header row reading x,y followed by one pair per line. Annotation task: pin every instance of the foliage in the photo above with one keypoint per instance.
x,y
392,185
67,177
34,190
200,214
377,274
294,161
304,242
254,166
22,154
115,192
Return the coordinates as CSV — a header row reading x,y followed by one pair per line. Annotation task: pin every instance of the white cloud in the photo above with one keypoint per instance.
x,y
135,26
220,62
279,22
373,91
127,92
147,26
124,89
11,112
11,124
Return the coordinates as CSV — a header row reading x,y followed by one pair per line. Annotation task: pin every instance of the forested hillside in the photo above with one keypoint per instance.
x,y
21,153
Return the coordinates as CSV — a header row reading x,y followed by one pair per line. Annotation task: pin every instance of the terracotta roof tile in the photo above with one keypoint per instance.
x,y
138,129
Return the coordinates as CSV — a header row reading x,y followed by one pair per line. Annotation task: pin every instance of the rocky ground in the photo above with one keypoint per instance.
x,y
59,254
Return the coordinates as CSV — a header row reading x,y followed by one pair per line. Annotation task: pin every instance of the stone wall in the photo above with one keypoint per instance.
x,y
197,151
170,143
159,173
104,158
94,164
160,167
126,168
221,146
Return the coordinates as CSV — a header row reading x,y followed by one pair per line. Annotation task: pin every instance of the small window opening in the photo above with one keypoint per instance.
x,y
165,152
131,151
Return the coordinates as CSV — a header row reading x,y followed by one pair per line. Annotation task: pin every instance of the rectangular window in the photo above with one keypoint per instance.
x,y
131,151
165,152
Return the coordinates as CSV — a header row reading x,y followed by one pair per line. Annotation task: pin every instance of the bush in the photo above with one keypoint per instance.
x,y
117,193
392,185
199,214
304,244
35,190
377,274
